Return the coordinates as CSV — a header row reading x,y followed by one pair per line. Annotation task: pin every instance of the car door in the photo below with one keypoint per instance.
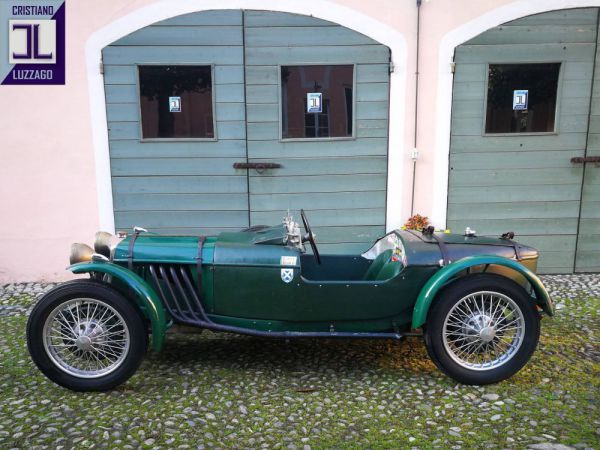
x,y
256,281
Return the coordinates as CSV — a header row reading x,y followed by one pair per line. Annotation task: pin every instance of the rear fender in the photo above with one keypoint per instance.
x,y
145,296
449,272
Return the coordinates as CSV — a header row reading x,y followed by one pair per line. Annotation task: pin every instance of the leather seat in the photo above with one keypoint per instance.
x,y
389,270
383,267
378,263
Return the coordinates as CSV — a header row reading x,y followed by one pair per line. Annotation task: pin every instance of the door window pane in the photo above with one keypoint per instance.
x,y
317,101
176,102
521,98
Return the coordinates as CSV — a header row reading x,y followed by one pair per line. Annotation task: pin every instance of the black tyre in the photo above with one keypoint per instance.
x,y
482,329
85,336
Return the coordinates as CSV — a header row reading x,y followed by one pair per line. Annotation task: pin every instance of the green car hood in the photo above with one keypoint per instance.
x,y
156,248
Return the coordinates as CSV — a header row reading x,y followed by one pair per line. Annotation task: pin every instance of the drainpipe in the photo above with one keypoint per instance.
x,y
415,151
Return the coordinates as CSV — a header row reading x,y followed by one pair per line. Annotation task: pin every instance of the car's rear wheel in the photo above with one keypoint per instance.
x,y
482,329
86,336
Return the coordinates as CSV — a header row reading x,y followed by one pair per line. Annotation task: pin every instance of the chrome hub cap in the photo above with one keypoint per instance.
x,y
86,338
483,330
84,343
487,334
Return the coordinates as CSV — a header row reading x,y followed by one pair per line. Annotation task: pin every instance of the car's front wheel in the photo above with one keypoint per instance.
x,y
482,329
86,336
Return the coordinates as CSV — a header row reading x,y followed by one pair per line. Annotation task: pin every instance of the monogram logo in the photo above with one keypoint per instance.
x,y
32,41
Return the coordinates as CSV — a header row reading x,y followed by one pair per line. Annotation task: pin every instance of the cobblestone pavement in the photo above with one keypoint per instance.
x,y
222,391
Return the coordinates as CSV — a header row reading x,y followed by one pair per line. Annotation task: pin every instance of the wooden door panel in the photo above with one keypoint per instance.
x,y
524,183
179,186
340,182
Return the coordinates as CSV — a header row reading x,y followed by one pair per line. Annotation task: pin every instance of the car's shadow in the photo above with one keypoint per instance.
x,y
226,351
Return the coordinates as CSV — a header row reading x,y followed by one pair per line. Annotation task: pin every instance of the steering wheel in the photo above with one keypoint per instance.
x,y
310,237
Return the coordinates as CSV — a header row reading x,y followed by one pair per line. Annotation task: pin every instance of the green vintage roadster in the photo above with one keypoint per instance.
x,y
477,300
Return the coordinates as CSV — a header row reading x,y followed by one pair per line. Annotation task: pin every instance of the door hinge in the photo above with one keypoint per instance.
x,y
101,67
452,66
392,68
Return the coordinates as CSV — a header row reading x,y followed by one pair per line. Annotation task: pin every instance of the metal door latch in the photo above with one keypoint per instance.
x,y
260,167
585,159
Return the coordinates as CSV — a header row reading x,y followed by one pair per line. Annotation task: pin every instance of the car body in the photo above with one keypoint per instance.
x,y
263,282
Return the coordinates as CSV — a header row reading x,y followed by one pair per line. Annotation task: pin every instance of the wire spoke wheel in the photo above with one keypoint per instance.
x,y
483,330
86,338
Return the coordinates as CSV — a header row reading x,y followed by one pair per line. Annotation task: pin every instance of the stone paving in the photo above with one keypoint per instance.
x,y
223,391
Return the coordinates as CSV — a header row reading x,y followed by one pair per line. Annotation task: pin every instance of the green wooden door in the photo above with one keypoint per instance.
x,y
179,186
525,182
183,186
587,258
341,183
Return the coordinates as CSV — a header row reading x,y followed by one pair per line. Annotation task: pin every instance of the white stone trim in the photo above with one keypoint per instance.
x,y
322,9
443,114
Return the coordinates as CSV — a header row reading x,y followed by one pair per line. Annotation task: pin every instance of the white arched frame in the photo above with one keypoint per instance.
x,y
321,9
443,113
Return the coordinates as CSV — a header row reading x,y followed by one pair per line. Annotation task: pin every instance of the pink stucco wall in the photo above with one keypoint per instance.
x,y
47,170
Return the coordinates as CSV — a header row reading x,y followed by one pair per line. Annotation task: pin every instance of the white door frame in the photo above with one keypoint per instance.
x,y
443,115
321,9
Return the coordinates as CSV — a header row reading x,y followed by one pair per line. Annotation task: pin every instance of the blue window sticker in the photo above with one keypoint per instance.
x,y
174,104
520,98
314,102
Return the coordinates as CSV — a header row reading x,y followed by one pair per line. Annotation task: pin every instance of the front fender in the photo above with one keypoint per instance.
x,y
145,295
444,275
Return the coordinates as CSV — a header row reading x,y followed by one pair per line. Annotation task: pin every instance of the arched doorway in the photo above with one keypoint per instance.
x,y
210,129
523,107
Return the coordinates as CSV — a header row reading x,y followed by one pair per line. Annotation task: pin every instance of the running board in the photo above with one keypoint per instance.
x,y
296,334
